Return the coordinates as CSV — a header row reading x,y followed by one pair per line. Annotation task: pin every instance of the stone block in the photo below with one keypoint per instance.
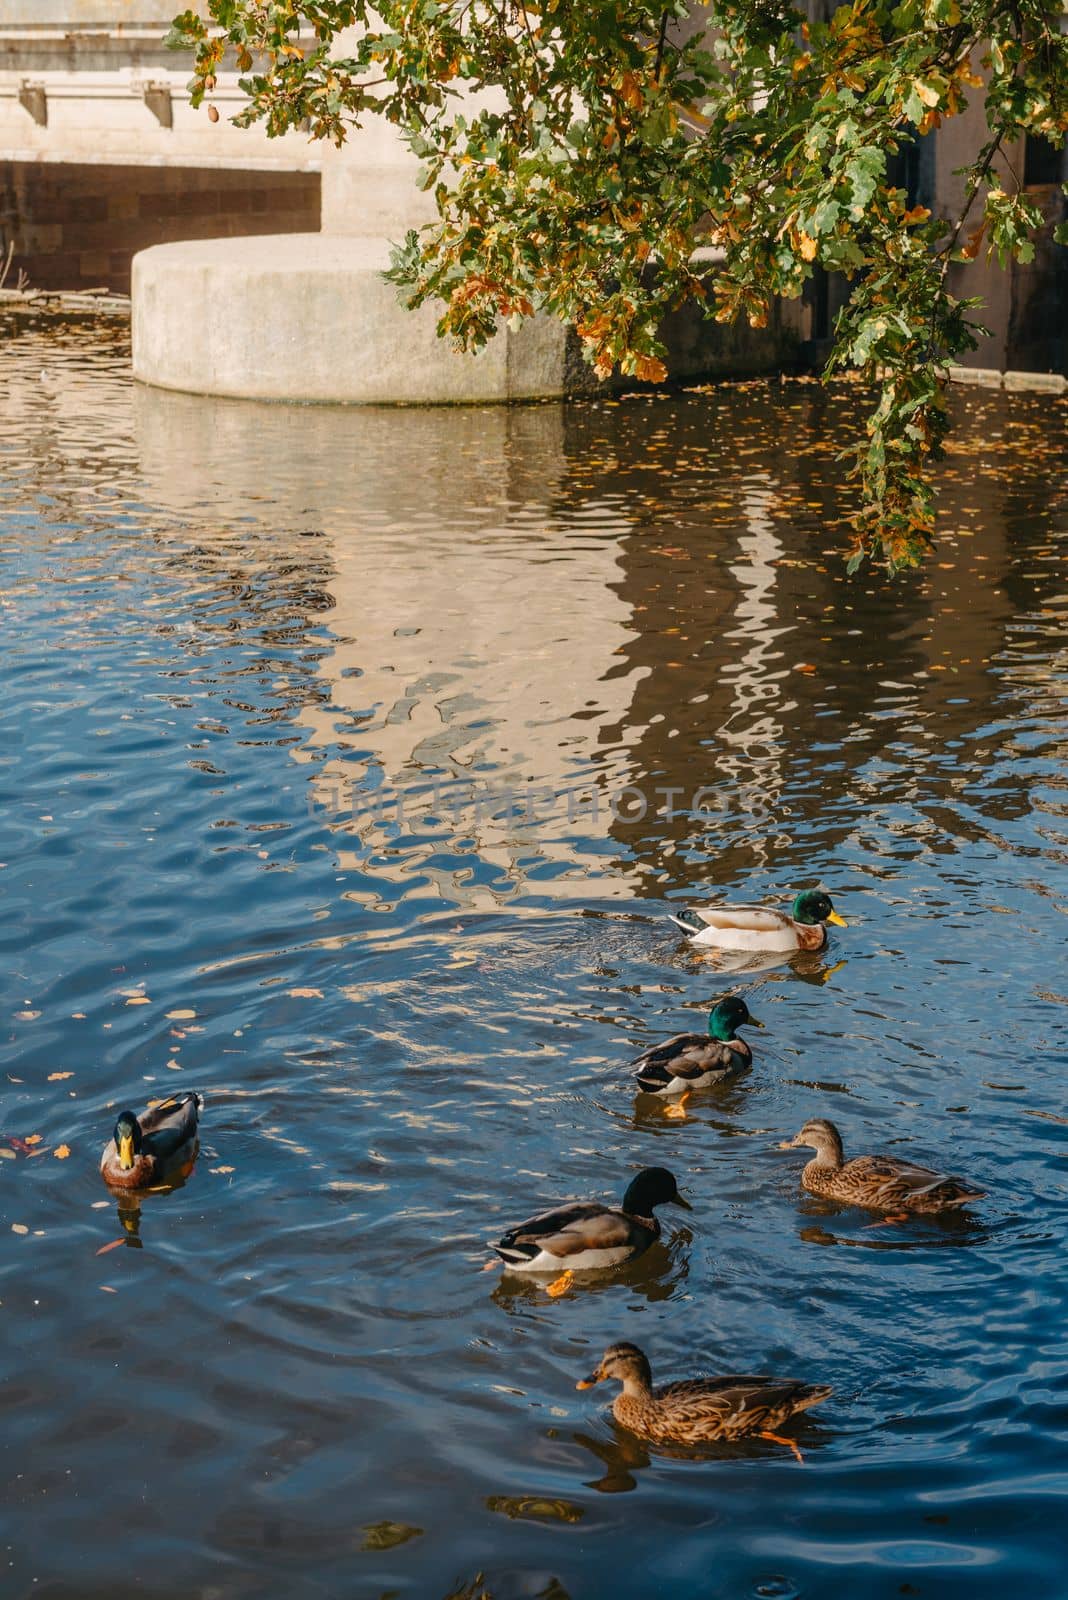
x,y
309,317
1036,382
978,377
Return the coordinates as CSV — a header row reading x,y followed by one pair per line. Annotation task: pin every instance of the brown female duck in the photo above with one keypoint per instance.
x,y
145,1150
702,1410
879,1183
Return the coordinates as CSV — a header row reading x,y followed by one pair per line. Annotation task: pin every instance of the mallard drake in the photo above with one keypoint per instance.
x,y
701,1410
695,1060
762,927
584,1235
879,1183
144,1149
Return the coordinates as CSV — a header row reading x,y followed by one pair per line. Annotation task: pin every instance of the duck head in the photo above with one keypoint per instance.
x,y
653,1186
812,906
127,1139
822,1136
728,1016
624,1362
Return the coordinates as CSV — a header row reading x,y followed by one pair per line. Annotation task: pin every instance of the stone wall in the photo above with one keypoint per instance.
x,y
78,226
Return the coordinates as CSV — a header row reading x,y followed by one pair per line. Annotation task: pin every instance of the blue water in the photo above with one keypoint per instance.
x,y
375,745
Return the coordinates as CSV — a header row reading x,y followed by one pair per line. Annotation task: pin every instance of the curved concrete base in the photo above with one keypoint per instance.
x,y
308,316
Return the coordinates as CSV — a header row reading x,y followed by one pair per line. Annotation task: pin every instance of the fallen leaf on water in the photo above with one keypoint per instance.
x,y
100,1205
108,1289
79,1016
27,1016
8,1155
114,1245
387,1535
57,1077
306,994
139,1000
534,1508
19,1227
32,1138
220,1169
180,1016
61,1152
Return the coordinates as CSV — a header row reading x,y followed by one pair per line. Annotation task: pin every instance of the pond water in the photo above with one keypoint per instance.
x,y
376,745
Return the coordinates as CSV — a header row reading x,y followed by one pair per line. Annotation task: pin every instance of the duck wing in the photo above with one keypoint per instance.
x,y
687,1055
742,919
742,1402
569,1230
891,1181
166,1127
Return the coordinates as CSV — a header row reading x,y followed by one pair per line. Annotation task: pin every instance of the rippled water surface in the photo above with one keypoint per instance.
x,y
348,737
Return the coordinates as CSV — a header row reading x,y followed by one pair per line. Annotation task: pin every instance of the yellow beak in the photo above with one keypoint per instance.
x,y
126,1152
839,922
752,1023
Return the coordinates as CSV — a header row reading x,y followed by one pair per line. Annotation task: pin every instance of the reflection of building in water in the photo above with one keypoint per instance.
x,y
476,636
785,687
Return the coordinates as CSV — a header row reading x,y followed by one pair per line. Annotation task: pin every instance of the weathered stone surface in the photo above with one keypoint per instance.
x,y
1042,382
309,317
978,377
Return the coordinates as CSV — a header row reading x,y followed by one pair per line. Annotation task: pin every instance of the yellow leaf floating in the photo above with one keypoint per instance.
x,y
306,994
58,1077
19,1227
61,1152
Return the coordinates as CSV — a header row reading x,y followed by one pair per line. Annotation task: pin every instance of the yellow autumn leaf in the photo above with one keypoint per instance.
x,y
183,1015
19,1227
139,1000
306,994
61,1152
925,93
58,1077
807,246
32,1138
650,369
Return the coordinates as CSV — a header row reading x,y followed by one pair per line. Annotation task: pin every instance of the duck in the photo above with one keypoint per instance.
x,y
732,927
702,1410
695,1060
145,1149
878,1183
584,1235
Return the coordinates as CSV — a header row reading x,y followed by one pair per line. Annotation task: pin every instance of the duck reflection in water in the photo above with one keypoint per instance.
x,y
811,966
659,1274
129,1206
624,1455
